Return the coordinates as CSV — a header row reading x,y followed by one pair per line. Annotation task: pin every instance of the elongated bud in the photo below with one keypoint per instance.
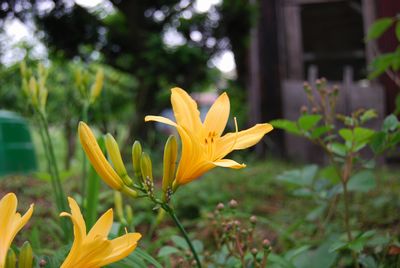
x,y
146,166
115,156
25,258
23,69
97,86
11,259
33,91
97,158
43,97
147,173
119,206
129,214
170,156
136,155
25,87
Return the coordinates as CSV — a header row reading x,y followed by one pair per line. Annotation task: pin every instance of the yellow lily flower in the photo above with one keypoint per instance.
x,y
203,146
94,250
10,223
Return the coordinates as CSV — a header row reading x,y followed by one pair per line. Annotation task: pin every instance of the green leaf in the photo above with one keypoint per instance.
x,y
287,125
346,134
363,181
308,121
180,242
338,148
319,131
368,115
381,64
378,142
167,250
378,28
398,30
362,135
319,257
300,177
390,123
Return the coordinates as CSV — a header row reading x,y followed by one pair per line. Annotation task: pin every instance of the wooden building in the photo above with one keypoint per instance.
x,y
301,40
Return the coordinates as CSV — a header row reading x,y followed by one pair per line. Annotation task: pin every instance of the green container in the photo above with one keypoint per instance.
x,y
17,154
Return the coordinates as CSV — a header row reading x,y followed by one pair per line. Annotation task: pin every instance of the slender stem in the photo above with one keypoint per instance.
x,y
171,212
55,175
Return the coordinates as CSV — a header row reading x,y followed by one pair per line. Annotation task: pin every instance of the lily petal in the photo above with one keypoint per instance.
x,y
185,110
241,140
160,119
229,163
102,226
218,115
121,248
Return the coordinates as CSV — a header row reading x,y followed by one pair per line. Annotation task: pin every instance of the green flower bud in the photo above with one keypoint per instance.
x,y
11,259
136,155
25,258
146,167
97,86
116,159
170,156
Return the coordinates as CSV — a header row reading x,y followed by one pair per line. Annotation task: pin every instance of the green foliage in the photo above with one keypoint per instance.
x,y
379,27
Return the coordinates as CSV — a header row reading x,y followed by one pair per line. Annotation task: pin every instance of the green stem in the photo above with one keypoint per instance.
x,y
55,175
171,212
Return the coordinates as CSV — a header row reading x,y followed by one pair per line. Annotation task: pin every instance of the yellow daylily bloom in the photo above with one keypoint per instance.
x,y
10,223
94,250
203,146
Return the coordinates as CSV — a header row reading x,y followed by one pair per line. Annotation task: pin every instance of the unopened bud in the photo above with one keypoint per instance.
x,y
136,155
233,203
253,219
25,258
129,214
42,263
314,110
146,166
11,259
97,86
115,156
220,206
23,69
307,88
254,251
118,203
170,156
33,91
304,109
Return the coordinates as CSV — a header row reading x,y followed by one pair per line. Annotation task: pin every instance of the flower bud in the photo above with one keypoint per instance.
x,y
146,167
115,156
11,259
25,258
97,158
97,86
136,155
170,156
23,69
220,206
118,206
253,219
233,204
129,214
33,91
